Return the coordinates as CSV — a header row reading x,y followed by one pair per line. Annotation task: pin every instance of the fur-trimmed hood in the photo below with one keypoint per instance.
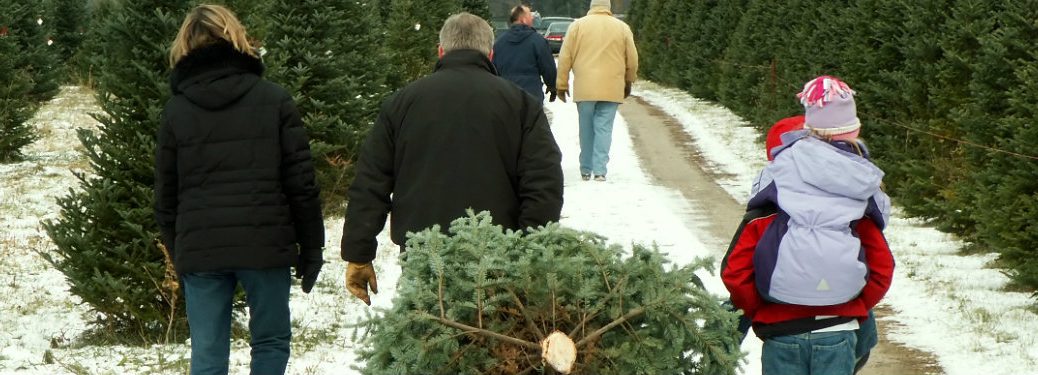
x,y
215,76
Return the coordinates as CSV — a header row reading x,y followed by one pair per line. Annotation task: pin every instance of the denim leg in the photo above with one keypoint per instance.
x,y
586,114
785,355
270,325
208,296
868,337
832,353
605,114
826,353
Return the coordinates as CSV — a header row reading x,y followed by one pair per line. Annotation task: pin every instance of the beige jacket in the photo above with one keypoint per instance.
x,y
600,51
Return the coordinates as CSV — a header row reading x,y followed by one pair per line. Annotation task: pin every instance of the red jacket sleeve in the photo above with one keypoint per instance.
x,y
737,272
879,260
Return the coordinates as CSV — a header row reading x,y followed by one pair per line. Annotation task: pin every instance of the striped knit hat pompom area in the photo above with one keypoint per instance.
x,y
829,108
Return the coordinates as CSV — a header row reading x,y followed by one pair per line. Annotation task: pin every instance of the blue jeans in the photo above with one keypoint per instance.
x,y
209,296
596,135
826,353
868,337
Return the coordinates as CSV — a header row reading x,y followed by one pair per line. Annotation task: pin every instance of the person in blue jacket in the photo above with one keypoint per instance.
x,y
522,55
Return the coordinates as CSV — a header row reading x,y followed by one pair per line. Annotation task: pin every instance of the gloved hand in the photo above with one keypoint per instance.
x,y
562,95
627,89
308,267
359,277
553,95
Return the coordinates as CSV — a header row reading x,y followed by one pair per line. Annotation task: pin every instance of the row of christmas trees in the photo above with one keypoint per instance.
x,y
34,36
946,91
339,58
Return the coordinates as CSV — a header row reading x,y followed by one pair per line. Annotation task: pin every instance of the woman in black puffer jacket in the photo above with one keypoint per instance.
x,y
235,196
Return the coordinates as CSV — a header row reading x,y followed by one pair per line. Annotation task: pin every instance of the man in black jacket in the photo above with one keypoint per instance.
x,y
459,138
522,56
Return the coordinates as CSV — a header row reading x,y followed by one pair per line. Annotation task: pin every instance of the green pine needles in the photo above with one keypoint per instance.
x,y
328,54
481,299
15,107
106,236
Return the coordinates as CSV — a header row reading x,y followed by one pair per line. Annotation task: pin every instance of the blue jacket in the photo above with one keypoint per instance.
x,y
522,55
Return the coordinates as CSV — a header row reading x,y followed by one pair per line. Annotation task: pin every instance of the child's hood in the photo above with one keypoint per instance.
x,y
823,166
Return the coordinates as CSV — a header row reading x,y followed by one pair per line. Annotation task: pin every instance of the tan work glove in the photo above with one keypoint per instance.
x,y
627,89
359,277
562,94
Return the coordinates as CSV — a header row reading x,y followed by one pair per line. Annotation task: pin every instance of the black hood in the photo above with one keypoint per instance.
x,y
518,33
215,76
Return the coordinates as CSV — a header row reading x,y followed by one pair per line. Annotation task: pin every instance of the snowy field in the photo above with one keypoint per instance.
x,y
946,304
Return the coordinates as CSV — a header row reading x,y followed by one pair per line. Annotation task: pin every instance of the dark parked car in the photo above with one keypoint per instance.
x,y
541,24
555,34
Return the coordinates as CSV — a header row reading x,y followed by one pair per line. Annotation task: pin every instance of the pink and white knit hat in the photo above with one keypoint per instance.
x,y
829,108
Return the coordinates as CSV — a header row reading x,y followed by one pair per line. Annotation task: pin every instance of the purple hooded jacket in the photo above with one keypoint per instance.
x,y
810,254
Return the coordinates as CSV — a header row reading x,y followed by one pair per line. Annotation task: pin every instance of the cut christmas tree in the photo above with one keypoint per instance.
x,y
485,301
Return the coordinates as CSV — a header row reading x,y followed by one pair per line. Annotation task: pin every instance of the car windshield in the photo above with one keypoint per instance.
x,y
545,22
559,27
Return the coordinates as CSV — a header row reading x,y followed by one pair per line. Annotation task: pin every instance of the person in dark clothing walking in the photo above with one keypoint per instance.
x,y
522,55
460,138
235,197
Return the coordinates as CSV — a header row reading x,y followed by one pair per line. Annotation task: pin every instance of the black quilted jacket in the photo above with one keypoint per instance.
x,y
234,178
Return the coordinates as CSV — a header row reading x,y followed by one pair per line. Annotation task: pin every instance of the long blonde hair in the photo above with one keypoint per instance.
x,y
206,25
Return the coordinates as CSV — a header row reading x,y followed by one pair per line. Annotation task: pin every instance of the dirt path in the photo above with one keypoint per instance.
x,y
670,156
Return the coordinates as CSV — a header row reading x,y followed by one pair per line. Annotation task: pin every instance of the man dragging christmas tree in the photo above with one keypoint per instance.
x,y
460,138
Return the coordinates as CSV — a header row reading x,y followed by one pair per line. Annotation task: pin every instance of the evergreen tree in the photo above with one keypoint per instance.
x,y
957,192
30,27
632,314
69,18
413,32
1007,184
99,13
669,64
647,26
750,83
328,55
480,8
15,107
106,236
696,61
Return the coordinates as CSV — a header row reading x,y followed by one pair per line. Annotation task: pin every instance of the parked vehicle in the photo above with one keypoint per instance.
x,y
541,24
556,34
500,27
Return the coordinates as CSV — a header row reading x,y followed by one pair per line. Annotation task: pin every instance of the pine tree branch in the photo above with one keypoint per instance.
x,y
601,331
587,318
471,329
529,319
443,312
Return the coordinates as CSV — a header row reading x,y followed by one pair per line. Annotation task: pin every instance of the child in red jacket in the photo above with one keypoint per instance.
x,y
822,315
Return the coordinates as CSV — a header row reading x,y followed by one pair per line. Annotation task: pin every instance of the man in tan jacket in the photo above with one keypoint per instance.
x,y
600,51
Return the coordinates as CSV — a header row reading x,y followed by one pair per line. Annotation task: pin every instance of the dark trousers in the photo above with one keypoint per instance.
x,y
209,296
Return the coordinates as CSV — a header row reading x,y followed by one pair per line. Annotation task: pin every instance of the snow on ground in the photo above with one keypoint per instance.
x,y
945,303
937,294
37,306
